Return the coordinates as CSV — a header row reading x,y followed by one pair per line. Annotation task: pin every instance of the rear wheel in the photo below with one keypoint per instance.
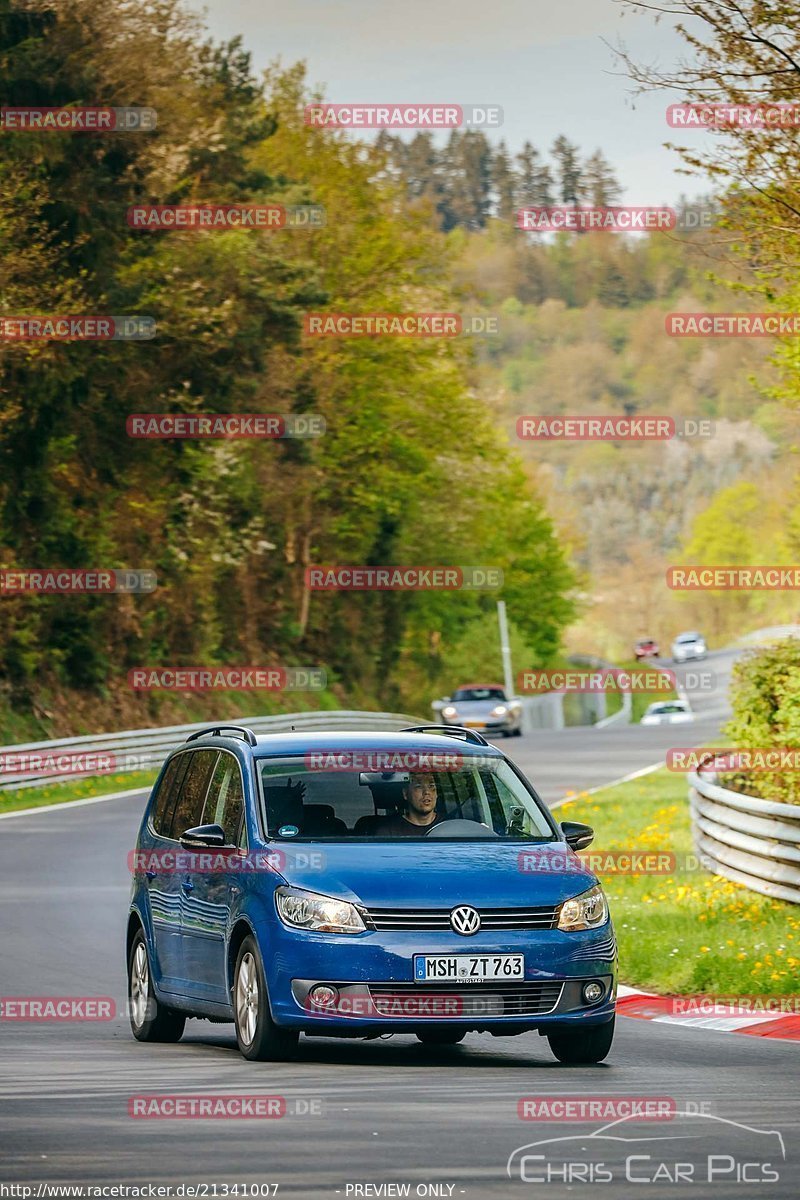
x,y
590,1045
441,1037
151,1021
259,1038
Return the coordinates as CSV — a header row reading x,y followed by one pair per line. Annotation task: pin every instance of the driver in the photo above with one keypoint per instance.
x,y
420,798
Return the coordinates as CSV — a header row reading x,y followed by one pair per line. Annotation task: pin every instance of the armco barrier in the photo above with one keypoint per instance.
x,y
753,842
145,749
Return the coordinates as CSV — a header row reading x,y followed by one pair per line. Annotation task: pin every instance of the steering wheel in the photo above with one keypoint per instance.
x,y
460,827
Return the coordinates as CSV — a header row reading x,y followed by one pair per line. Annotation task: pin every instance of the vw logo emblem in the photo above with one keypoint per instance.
x,y
465,920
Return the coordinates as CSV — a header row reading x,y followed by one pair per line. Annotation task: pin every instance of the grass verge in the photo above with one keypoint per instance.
x,y
688,932
59,793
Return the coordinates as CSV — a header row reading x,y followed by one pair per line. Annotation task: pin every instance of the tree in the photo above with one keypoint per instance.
x,y
746,52
600,185
534,181
568,171
503,184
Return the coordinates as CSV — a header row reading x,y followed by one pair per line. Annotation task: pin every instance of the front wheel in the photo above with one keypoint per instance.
x,y
590,1045
259,1038
151,1021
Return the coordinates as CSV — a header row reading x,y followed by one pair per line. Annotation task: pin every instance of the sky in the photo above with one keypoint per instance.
x,y
545,63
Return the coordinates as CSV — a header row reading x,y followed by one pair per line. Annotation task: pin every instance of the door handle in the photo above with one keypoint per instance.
x,y
187,885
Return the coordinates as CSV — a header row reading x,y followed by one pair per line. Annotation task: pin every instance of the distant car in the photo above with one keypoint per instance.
x,y
484,706
646,648
688,645
668,712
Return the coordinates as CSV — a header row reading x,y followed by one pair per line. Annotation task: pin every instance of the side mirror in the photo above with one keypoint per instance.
x,y
577,836
202,836
438,705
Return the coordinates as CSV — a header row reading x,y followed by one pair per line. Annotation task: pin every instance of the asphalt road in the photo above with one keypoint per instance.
x,y
361,1114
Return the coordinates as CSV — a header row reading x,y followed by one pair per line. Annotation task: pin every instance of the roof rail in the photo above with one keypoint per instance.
x,y
216,731
465,735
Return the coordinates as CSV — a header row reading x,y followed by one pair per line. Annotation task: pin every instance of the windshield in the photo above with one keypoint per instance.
x,y
479,693
301,800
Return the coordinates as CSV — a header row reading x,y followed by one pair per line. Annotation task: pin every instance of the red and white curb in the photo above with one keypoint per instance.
x,y
648,1007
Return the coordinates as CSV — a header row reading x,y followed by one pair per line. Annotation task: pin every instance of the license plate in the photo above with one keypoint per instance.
x,y
467,968
474,724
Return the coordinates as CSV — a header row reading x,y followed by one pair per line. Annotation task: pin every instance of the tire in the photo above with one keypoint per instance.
x,y
590,1045
259,1038
151,1021
441,1037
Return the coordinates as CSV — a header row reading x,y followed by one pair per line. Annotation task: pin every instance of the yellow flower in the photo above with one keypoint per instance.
x,y
704,949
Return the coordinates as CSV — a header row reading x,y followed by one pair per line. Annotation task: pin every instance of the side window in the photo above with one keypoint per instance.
x,y
161,818
189,809
225,802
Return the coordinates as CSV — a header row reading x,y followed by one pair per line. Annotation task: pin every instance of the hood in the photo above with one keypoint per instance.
x,y
404,874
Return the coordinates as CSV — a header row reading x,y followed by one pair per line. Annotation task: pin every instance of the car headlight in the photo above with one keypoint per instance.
x,y
449,712
499,710
586,911
322,914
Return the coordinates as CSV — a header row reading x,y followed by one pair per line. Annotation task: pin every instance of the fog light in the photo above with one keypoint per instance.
x,y
592,992
323,995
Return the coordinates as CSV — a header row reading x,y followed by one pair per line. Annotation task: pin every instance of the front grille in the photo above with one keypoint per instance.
x,y
393,919
422,1001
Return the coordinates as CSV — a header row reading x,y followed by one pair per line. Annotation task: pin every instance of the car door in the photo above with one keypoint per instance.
x,y
186,814
161,881
207,903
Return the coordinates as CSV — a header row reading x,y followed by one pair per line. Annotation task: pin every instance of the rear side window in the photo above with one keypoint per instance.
x,y
189,809
225,802
161,819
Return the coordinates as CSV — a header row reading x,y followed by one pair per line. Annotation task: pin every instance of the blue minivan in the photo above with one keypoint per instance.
x,y
363,884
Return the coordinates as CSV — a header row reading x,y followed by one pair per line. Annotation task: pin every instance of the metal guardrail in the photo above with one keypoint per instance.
x,y
752,842
144,749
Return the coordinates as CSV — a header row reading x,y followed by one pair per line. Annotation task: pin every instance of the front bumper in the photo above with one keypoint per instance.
x,y
373,975
499,725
